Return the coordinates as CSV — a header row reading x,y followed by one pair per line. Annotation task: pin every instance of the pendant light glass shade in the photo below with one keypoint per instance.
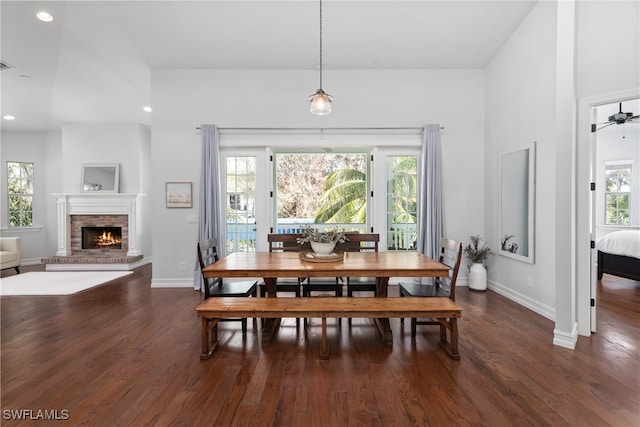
x,y
320,103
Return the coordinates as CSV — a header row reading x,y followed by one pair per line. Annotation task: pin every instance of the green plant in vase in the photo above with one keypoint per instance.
x,y
477,251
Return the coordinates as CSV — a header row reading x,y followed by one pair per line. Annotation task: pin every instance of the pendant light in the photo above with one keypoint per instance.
x,y
320,101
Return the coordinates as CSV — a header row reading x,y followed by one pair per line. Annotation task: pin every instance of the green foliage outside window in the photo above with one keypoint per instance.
x,y
20,194
402,202
617,194
344,199
328,188
333,189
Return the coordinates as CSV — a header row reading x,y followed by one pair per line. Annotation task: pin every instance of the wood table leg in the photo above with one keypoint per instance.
x,y
384,328
270,325
324,345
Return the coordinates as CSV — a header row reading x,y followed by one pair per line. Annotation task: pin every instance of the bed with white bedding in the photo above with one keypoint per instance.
x,y
619,254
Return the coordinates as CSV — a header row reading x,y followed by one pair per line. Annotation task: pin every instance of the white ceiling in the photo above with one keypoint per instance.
x,y
93,62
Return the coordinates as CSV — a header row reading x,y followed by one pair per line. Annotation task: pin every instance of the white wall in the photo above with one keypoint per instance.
x,y
607,46
103,143
144,177
184,99
520,109
43,150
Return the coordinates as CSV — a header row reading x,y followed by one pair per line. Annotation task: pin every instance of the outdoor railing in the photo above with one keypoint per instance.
x,y
242,237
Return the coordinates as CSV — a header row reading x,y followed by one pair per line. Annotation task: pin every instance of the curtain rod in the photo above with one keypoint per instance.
x,y
320,129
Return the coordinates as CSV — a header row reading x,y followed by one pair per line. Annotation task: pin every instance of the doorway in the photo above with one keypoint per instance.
x,y
615,178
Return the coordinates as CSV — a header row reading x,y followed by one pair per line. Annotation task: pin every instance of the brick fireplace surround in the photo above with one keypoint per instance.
x,y
96,210
80,221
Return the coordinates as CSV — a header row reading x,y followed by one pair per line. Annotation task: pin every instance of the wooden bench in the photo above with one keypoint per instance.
x,y
444,310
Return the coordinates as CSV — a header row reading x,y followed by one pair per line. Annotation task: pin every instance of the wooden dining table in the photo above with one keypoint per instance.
x,y
273,265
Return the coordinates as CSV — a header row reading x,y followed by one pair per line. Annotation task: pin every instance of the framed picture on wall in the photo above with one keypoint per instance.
x,y
178,195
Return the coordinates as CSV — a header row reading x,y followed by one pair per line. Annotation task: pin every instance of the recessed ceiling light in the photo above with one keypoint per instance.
x,y
147,109
9,117
44,16
24,77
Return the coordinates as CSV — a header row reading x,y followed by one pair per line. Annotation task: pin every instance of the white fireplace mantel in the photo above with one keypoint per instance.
x,y
97,204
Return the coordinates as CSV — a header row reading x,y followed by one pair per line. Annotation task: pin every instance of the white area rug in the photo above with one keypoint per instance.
x,y
56,283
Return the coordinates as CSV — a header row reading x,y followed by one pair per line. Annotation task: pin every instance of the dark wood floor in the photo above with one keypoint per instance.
x,y
126,354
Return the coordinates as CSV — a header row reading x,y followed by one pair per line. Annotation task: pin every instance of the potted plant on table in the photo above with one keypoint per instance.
x,y
323,242
477,251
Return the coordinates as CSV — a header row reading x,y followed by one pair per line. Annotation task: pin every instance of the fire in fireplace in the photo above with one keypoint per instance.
x,y
101,237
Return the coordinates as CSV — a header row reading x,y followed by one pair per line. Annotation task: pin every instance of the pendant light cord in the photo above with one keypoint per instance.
x,y
320,44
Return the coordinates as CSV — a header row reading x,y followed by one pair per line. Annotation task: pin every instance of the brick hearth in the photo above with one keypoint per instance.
x,y
95,258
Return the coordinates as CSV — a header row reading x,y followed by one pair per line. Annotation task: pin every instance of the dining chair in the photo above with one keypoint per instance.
x,y
361,242
286,242
321,284
451,256
216,287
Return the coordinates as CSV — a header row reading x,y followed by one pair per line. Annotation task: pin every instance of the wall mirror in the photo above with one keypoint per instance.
x,y
101,177
517,199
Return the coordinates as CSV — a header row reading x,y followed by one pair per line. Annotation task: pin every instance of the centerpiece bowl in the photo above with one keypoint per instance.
x,y
323,248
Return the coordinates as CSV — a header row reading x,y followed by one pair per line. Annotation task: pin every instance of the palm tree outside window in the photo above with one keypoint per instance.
x,y
402,203
327,189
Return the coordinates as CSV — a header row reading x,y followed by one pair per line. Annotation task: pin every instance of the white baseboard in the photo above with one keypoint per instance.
x,y
562,339
541,309
30,261
172,283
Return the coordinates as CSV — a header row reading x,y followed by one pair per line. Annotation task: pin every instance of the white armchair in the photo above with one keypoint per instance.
x,y
10,252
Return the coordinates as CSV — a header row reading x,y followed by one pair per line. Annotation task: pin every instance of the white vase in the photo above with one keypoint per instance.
x,y
477,277
323,248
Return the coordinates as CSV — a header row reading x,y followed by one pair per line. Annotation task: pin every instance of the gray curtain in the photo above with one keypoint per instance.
x,y
210,221
431,226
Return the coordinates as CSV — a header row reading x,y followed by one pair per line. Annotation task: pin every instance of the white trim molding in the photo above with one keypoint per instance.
x,y
172,283
97,204
531,304
565,340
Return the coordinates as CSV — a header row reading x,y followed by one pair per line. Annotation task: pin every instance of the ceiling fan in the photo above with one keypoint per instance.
x,y
618,118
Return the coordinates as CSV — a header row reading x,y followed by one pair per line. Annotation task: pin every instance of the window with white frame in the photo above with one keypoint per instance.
x,y
331,189
401,202
617,193
360,189
240,204
20,194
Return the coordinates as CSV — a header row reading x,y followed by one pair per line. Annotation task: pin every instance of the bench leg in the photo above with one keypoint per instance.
x,y
209,336
451,347
324,345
